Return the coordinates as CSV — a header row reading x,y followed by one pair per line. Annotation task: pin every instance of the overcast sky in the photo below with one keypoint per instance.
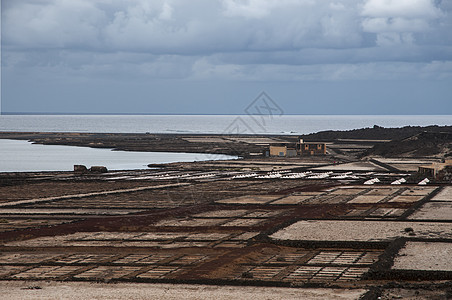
x,y
216,56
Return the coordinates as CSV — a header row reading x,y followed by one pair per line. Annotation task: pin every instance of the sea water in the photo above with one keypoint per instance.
x,y
23,156
16,156
210,124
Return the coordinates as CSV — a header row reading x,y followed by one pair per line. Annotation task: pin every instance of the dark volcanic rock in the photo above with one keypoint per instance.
x,y
80,169
375,133
422,144
98,169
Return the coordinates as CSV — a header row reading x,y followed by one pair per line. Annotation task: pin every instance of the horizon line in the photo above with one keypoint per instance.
x,y
190,114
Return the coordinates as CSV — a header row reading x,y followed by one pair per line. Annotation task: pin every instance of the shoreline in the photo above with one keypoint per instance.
x,y
147,142
367,141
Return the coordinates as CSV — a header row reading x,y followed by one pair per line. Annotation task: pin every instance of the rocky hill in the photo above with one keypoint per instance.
x,y
375,133
409,141
437,144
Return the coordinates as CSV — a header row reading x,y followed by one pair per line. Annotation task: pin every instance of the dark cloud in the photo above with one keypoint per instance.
x,y
73,42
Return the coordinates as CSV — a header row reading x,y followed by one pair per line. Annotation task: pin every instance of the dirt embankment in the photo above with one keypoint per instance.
x,y
216,144
409,141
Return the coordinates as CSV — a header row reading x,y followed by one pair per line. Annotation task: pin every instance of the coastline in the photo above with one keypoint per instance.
x,y
244,145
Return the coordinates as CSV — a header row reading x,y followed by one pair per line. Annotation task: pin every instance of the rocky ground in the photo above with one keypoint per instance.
x,y
291,228
209,227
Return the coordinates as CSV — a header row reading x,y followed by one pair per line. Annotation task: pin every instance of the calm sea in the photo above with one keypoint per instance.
x,y
20,156
192,124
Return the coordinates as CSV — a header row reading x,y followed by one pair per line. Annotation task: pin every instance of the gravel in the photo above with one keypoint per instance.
x,y
433,211
361,230
84,290
424,256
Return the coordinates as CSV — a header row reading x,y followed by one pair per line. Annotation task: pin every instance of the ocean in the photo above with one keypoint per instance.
x,y
210,124
22,156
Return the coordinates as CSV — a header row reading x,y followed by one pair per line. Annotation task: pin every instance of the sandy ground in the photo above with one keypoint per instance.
x,y
433,211
444,195
84,290
406,167
414,294
424,256
360,230
355,166
406,160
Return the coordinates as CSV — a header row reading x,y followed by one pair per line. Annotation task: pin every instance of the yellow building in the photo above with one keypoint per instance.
x,y
278,150
282,151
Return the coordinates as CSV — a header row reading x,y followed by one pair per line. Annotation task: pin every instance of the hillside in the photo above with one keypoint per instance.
x,y
423,144
375,133
409,141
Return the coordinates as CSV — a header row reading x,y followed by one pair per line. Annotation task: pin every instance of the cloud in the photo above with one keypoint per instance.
x,y
395,25
179,26
203,69
258,8
214,26
401,8
50,24
225,39
396,21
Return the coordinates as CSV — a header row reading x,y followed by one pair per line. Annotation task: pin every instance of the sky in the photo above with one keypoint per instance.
x,y
217,56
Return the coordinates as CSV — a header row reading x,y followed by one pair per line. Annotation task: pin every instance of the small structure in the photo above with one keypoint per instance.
x,y
278,150
80,169
309,149
98,169
294,149
282,151
435,169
